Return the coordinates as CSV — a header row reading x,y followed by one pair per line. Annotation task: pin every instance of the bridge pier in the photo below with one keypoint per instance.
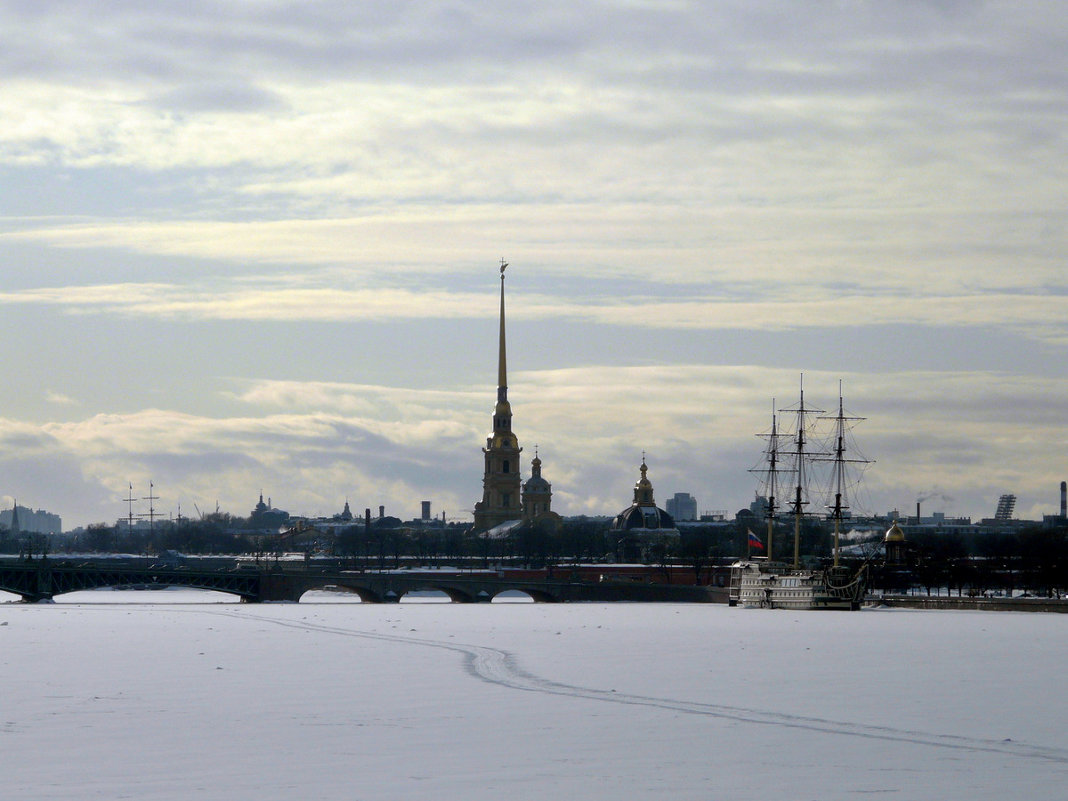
x,y
35,583
278,587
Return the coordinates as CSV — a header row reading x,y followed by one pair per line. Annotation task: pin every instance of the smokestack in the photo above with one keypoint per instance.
x,y
1064,499
917,513
381,512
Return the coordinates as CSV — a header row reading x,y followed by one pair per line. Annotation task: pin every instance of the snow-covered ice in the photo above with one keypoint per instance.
x,y
150,698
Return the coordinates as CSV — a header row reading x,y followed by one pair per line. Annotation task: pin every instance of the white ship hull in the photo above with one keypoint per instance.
x,y
773,585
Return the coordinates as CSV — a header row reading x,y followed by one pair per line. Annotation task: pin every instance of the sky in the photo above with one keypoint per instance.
x,y
253,247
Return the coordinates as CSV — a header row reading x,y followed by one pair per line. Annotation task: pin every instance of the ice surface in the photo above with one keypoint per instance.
x,y
156,699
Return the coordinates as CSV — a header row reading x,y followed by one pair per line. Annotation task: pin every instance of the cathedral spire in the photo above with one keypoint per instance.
x,y
502,359
501,484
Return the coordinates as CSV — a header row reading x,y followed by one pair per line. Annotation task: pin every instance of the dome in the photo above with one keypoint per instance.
x,y
644,517
894,534
536,484
643,513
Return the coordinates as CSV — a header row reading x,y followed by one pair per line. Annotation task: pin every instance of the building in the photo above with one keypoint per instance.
x,y
538,499
896,546
1006,506
266,517
642,528
501,483
682,506
537,492
22,519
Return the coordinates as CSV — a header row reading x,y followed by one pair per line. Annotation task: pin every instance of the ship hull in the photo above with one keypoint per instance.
x,y
770,585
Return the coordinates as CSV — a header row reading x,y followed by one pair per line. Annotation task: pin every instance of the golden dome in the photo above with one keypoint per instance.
x,y
894,534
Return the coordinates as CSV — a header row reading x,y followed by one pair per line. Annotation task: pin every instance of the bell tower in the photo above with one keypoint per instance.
x,y
501,500
537,492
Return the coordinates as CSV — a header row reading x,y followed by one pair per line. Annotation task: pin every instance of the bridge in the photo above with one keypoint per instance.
x,y
44,579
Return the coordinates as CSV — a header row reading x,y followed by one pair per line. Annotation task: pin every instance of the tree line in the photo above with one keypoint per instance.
x,y
1032,559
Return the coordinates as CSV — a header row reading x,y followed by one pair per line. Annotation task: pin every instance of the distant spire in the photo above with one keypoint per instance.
x,y
501,482
15,528
502,362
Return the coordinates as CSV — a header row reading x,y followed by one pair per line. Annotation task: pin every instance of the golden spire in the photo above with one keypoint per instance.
x,y
502,366
501,482
643,489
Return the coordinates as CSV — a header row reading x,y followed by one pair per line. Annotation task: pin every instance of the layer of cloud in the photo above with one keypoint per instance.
x,y
777,253
1034,313
724,104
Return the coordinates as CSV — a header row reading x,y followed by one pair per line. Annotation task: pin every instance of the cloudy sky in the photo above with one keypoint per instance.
x,y
253,246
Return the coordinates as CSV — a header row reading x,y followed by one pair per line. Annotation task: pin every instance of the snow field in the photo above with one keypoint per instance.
x,y
170,700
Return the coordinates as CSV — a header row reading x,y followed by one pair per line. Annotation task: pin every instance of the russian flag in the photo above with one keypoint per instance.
x,y
754,541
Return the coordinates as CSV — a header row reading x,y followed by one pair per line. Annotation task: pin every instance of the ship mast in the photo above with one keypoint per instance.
x,y
773,444
771,470
840,461
798,504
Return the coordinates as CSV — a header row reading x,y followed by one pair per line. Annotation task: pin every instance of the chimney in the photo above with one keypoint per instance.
x,y
1064,499
381,512
917,513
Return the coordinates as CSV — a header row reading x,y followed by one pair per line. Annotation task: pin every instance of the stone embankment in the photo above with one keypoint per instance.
x,y
964,602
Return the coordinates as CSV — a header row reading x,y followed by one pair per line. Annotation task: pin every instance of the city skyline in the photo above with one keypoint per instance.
x,y
255,248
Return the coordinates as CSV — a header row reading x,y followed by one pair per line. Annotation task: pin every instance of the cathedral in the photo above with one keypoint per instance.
x,y
505,498
643,528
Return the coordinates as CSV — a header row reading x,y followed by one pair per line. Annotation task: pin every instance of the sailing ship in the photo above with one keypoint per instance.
x,y
767,583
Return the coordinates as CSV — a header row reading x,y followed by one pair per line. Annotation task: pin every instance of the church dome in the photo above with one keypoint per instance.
x,y
536,483
644,517
643,513
894,534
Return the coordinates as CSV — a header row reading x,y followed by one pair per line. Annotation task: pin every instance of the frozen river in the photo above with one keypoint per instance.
x,y
173,700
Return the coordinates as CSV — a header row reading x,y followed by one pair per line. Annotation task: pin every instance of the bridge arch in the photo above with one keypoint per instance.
x,y
512,597
120,582
334,593
454,594
365,594
164,594
45,580
523,595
